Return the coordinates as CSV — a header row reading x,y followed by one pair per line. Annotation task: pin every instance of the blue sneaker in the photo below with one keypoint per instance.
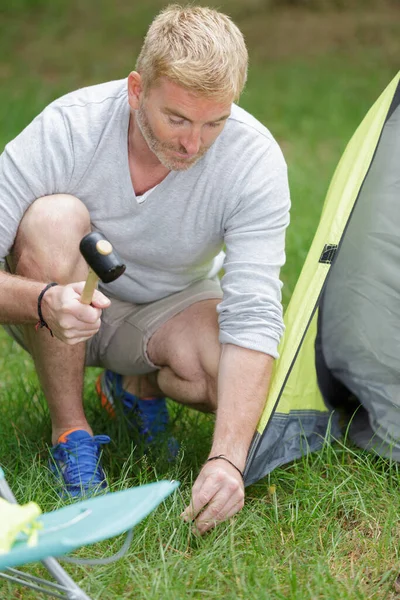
x,y
76,463
148,417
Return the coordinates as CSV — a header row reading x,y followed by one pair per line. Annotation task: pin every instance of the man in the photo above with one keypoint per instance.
x,y
170,171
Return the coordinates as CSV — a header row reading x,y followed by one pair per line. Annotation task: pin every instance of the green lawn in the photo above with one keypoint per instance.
x,y
324,527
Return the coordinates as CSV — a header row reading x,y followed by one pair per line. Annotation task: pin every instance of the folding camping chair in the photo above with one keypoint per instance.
x,y
71,527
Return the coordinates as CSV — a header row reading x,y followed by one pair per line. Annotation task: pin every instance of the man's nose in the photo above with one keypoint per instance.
x,y
192,141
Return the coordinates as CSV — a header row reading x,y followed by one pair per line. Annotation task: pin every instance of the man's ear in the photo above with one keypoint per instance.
x,y
135,88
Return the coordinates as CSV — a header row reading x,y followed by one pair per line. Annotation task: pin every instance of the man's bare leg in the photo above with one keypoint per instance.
x,y
47,249
187,349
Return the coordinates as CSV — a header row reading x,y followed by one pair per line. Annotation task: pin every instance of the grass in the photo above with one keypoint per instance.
x,y
325,527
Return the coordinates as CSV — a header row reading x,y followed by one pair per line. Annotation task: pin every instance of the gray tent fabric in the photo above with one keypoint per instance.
x,y
358,342
287,438
338,370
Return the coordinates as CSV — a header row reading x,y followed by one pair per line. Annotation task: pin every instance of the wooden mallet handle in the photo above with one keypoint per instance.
x,y
103,247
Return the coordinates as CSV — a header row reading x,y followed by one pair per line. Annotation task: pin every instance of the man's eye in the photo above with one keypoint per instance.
x,y
215,124
176,121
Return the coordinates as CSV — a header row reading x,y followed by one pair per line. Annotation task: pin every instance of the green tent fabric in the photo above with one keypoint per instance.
x,y
298,416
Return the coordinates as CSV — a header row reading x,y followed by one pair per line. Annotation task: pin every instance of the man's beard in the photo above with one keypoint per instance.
x,y
161,149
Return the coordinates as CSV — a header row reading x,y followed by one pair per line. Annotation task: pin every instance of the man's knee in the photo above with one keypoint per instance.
x,y
48,237
189,346
52,215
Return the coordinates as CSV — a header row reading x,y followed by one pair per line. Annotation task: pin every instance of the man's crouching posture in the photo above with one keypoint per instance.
x,y
170,171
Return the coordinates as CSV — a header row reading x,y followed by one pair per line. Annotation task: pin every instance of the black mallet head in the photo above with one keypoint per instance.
x,y
104,263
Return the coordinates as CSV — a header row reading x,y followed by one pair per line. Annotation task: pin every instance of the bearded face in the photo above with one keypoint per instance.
x,y
178,126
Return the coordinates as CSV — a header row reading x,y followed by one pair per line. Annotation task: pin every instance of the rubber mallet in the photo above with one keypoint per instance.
x,y
104,263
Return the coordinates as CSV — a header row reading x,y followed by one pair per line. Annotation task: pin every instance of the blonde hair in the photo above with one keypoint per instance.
x,y
196,47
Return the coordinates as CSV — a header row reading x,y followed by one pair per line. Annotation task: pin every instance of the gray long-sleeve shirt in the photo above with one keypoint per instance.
x,y
236,195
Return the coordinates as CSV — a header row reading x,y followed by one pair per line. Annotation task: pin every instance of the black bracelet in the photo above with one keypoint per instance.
x,y
222,457
42,323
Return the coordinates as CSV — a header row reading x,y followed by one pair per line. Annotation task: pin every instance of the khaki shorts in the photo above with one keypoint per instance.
x,y
121,342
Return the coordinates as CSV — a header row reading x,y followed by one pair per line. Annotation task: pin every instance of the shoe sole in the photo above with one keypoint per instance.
x,y
105,402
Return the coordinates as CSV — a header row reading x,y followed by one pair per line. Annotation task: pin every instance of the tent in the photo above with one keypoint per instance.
x,y
341,347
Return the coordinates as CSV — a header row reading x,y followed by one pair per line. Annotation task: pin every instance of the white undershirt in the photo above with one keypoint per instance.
x,y
143,197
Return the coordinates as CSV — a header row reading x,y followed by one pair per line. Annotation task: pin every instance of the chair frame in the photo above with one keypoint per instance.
x,y
65,588
128,508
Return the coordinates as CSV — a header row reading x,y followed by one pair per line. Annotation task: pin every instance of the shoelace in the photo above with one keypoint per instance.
x,y
82,459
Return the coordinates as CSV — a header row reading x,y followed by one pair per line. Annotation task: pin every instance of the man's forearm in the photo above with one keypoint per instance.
x,y
243,382
18,299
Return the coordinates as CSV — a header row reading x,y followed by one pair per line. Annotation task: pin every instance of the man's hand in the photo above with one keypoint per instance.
x,y
218,493
70,320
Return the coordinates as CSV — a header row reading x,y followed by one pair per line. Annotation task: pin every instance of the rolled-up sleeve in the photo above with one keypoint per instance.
x,y
250,313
